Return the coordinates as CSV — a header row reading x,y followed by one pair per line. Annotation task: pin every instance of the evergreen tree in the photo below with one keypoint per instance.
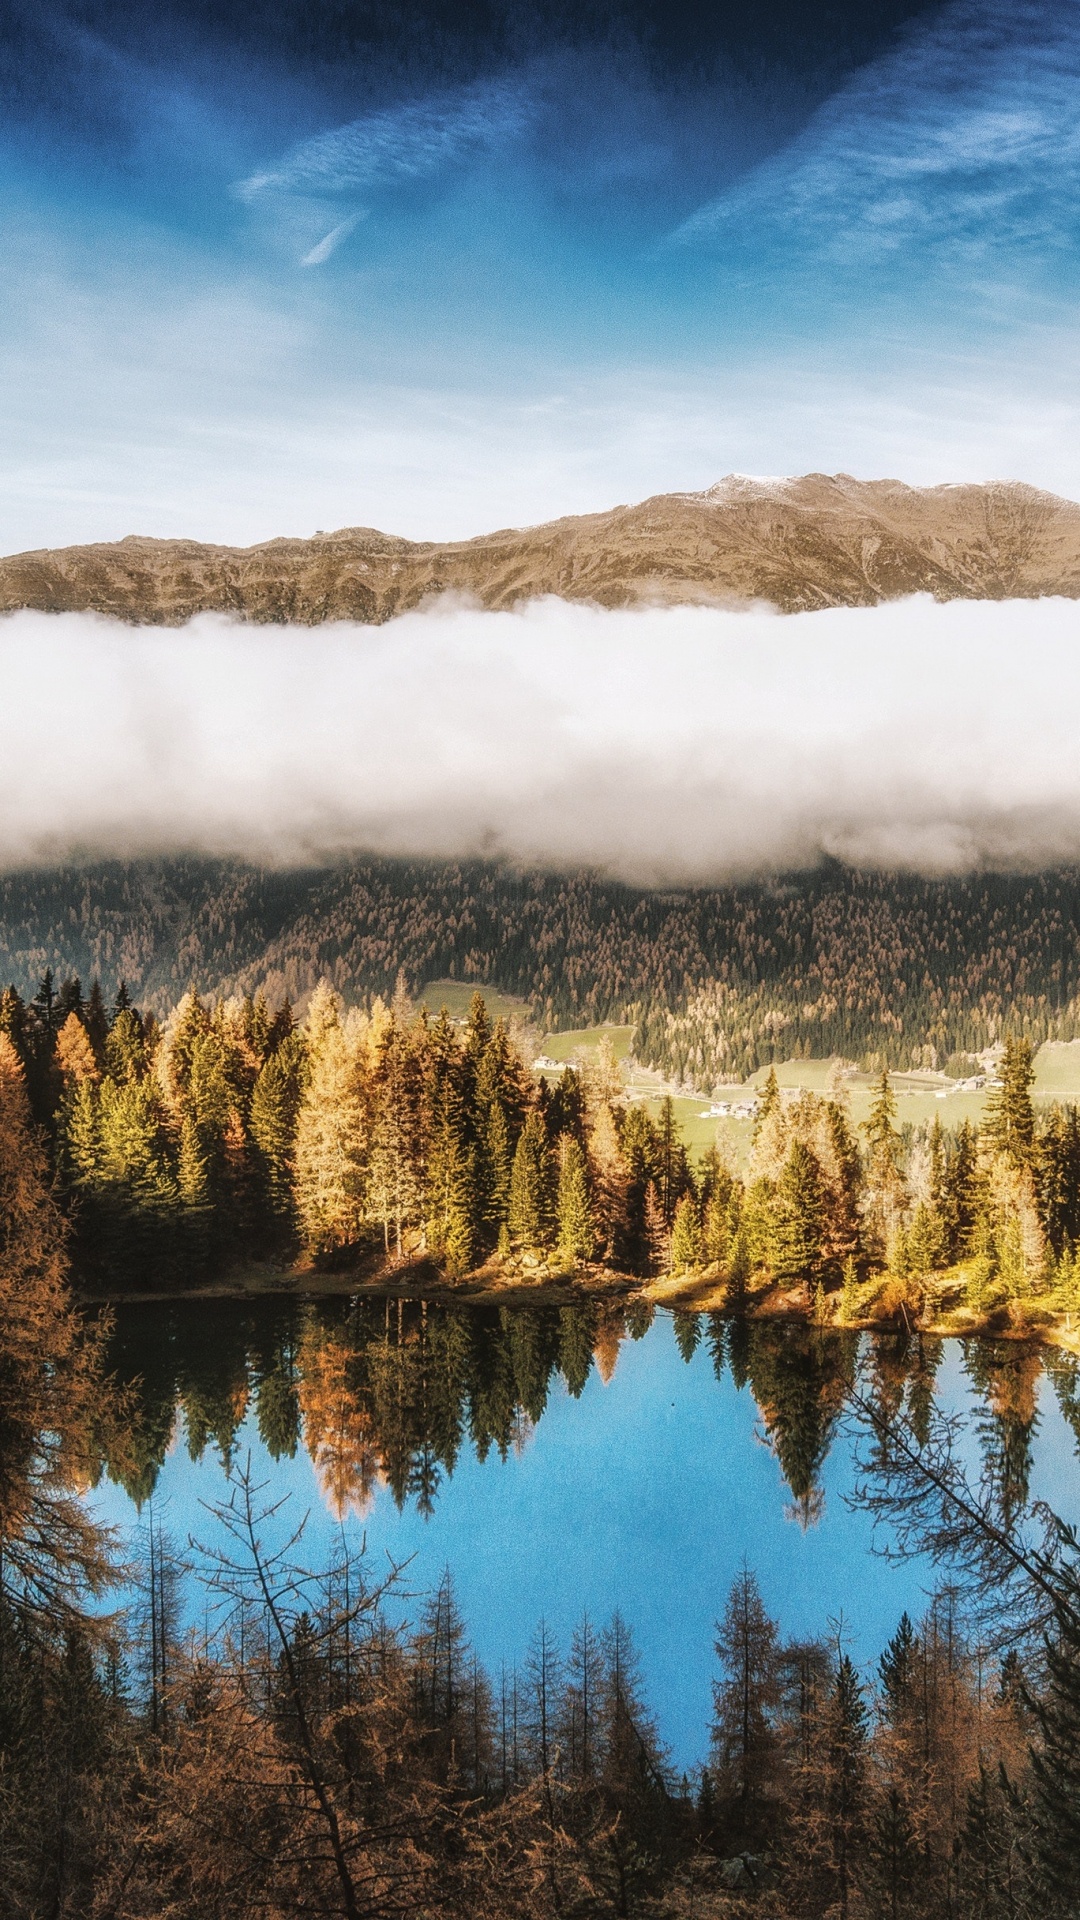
x,y
275,1105
125,1048
577,1332
671,1171
1010,1117
898,1670
883,1194
655,1235
1058,1168
687,1249
961,1196
845,1778
576,1233
530,1208
394,1168
798,1234
687,1329
13,1021
841,1237
451,1202
897,1864
497,1159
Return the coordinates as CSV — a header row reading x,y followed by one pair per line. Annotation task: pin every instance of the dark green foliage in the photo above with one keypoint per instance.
x,y
1010,1118
897,1669
531,1212
576,1233
798,1243
859,965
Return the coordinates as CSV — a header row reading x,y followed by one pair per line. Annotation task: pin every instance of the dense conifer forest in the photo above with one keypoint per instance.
x,y
229,1135
235,1733
882,968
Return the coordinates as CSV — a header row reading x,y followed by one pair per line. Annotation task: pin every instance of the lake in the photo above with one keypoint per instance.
x,y
561,1459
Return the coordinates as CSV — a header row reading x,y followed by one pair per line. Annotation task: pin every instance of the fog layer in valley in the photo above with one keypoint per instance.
x,y
671,745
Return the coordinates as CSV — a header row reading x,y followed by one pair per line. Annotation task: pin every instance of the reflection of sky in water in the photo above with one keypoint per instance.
x,y
645,1494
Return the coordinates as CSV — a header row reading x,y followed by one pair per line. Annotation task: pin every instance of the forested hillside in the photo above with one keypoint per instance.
x,y
875,967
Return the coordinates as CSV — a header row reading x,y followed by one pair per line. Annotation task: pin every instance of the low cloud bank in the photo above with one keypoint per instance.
x,y
672,745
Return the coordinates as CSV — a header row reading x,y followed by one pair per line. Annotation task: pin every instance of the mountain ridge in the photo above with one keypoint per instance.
x,y
812,541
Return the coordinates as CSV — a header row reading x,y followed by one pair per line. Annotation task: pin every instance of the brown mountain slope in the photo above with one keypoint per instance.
x,y
813,542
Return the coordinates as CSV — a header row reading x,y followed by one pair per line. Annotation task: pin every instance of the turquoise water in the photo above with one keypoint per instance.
x,y
561,1462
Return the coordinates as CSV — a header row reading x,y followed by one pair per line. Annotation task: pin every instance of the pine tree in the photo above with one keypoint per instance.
x,y
13,1021
687,1330
671,1170
452,1698
1010,1118
883,1194
451,1201
845,1778
576,1233
498,1159
655,1234
717,1227
577,1332
125,1048
798,1234
530,1208
275,1105
687,1249
961,1197
543,1689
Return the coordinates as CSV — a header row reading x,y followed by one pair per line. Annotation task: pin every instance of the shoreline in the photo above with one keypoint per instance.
x,y
537,1284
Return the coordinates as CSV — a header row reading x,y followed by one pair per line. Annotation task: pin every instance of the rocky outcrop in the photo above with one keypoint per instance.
x,y
818,541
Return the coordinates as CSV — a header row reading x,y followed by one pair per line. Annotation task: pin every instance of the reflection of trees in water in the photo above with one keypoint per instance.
x,y
1006,1377
389,1392
800,1378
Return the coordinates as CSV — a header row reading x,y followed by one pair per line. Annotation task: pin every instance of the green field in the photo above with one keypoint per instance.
x,y
921,1098
563,1046
456,997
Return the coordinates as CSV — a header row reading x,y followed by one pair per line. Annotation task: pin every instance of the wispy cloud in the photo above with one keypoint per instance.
x,y
405,142
325,247
683,744
965,142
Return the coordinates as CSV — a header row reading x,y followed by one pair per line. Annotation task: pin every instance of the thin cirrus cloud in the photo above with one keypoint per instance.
x,y
962,145
420,140
666,745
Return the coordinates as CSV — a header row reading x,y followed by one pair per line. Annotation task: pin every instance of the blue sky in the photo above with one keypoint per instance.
x,y
449,269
